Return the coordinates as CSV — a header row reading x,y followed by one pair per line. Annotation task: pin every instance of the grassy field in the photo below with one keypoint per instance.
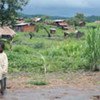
x,y
41,53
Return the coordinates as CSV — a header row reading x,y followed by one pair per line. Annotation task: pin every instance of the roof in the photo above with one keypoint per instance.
x,y
36,19
98,21
63,24
81,22
22,24
6,31
58,20
52,29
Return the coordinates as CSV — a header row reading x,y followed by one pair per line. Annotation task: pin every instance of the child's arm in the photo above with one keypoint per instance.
x,y
5,65
1,70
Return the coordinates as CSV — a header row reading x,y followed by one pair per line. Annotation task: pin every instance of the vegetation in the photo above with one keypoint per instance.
x,y
87,18
92,18
42,54
93,49
8,10
76,19
40,83
46,52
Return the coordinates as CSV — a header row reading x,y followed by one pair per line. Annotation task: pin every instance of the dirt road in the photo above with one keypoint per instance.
x,y
56,93
73,86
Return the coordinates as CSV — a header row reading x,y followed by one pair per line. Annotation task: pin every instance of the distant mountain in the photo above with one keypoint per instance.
x,y
92,18
88,18
24,15
57,17
32,16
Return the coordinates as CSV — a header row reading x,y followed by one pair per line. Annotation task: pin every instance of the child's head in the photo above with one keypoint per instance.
x,y
2,46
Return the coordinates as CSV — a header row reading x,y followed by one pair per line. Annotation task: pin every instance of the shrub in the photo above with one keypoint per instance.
x,y
39,83
93,48
24,62
22,49
38,45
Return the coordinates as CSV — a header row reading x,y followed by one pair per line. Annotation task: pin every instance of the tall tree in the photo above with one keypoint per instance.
x,y
79,17
9,9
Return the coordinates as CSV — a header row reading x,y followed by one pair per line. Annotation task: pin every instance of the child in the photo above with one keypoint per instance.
x,y
3,67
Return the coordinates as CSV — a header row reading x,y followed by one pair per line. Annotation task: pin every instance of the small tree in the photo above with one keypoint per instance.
x,y
42,25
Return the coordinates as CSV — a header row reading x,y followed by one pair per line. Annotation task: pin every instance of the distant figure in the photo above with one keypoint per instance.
x,y
66,34
3,68
31,35
79,34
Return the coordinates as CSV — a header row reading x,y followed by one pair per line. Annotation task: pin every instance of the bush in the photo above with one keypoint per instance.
x,y
38,45
93,49
24,62
22,49
39,83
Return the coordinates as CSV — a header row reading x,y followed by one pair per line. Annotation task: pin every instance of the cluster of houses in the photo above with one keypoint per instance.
x,y
22,26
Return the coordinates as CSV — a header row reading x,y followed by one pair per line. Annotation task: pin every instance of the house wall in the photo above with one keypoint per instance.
x,y
19,28
25,28
30,28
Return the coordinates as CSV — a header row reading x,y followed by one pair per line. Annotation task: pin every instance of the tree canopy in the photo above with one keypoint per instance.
x,y
77,19
80,17
9,10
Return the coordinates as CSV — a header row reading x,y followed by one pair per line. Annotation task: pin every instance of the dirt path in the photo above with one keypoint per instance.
x,y
69,86
56,93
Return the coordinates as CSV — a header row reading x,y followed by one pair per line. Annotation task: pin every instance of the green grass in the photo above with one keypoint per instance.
x,y
59,55
38,83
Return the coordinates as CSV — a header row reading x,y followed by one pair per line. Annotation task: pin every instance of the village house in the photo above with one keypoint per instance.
x,y
6,32
97,22
36,19
82,23
61,23
52,30
20,20
25,27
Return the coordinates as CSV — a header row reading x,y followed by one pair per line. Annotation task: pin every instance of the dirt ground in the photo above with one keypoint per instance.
x,y
78,79
61,86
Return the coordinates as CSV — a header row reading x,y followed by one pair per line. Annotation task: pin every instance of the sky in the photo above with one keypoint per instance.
x,y
66,8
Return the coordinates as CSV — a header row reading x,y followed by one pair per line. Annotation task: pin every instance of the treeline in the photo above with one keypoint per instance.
x,y
40,15
92,18
87,18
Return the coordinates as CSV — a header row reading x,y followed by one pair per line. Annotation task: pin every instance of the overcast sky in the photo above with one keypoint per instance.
x,y
63,7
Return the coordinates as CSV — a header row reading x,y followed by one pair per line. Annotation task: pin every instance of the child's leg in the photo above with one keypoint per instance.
x,y
5,79
2,86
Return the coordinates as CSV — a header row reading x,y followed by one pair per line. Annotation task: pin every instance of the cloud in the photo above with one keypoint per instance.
x,y
63,7
69,3
45,4
63,3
